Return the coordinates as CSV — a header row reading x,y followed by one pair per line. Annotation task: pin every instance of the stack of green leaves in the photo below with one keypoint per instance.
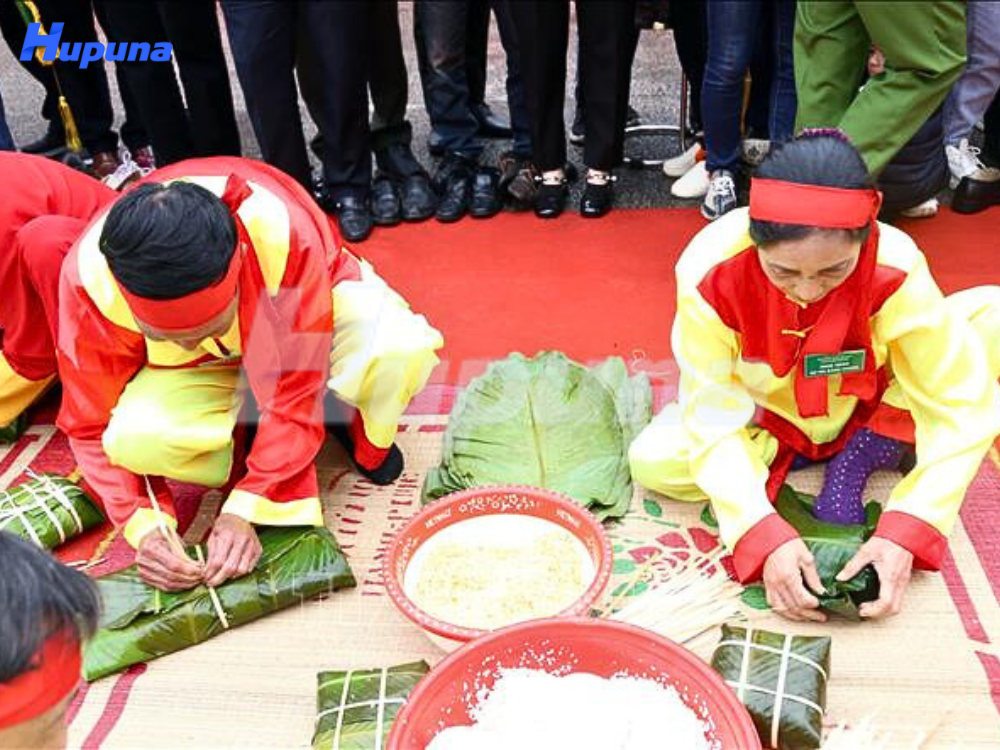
x,y
832,546
9,433
47,510
547,422
781,679
356,709
140,623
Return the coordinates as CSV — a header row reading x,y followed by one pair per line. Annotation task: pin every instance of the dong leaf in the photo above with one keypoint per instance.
x,y
140,623
48,510
833,545
547,422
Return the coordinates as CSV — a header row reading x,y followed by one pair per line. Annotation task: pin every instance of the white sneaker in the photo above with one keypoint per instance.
x,y
694,183
721,196
925,210
680,164
963,161
126,173
755,150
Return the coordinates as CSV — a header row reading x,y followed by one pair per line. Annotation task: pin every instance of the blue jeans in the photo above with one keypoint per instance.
x,y
732,32
975,90
440,28
6,140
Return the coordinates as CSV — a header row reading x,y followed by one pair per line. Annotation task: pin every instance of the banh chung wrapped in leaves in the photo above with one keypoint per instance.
x,y
781,679
832,546
48,510
356,709
547,422
140,623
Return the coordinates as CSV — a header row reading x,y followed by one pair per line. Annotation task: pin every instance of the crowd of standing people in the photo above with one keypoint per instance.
x,y
910,83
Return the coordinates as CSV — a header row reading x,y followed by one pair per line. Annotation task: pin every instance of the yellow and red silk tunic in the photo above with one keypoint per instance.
x,y
934,387
281,338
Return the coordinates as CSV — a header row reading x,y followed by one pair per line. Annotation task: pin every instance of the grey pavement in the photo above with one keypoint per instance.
x,y
655,94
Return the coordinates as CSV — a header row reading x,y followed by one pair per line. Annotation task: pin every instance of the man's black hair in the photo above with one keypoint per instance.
x,y
815,157
167,241
39,597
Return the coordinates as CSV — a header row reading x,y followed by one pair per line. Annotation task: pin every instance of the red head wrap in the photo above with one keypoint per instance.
x,y
53,675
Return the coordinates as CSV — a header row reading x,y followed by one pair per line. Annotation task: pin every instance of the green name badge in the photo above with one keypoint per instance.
x,y
842,363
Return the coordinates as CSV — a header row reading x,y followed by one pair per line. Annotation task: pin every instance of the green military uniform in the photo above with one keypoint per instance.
x,y
924,48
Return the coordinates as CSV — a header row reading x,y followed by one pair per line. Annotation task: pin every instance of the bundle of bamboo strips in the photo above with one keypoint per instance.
x,y
692,595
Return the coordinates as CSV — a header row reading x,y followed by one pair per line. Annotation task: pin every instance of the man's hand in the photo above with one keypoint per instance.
x,y
160,566
786,593
894,565
233,549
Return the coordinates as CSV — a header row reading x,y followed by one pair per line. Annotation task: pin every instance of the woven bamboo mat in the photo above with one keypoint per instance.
x,y
255,686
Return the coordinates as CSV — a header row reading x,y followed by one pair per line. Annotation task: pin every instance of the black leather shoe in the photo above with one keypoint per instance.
x,y
53,142
386,209
486,193
550,200
490,125
418,198
385,473
453,183
977,194
435,144
597,199
354,218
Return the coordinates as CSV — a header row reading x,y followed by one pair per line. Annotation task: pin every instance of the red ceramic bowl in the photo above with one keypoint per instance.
x,y
563,646
486,501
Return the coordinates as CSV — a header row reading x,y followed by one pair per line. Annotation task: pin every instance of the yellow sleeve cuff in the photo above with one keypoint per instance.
x,y
142,522
260,511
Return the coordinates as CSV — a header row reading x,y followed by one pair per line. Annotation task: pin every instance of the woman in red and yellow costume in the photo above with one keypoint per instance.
x,y
215,282
806,330
44,205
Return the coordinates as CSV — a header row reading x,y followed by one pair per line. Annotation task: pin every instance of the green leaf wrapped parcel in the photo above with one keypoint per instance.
x,y
781,679
832,546
48,510
140,623
356,709
547,422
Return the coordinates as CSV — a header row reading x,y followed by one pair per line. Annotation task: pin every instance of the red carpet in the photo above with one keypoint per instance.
x,y
592,288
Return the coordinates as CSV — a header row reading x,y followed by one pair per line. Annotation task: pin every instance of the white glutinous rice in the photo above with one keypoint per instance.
x,y
530,709
493,571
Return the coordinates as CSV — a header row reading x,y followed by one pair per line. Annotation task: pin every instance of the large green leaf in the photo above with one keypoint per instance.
x,y
11,432
48,510
139,623
353,701
833,546
547,422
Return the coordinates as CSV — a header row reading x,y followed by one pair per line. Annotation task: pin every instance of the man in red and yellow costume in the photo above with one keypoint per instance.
x,y
215,282
44,206
807,331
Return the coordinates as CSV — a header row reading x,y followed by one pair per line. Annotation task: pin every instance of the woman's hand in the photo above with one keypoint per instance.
x,y
787,594
233,549
894,565
161,567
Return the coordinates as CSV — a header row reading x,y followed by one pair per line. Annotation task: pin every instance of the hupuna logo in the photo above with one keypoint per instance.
x,y
91,51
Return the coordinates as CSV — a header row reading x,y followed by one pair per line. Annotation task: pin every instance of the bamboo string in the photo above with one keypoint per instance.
x,y
216,602
168,531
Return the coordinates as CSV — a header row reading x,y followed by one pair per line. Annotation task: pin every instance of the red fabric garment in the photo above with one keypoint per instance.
x,y
44,205
286,340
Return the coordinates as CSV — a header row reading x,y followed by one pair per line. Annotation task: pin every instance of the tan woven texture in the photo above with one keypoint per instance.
x,y
255,685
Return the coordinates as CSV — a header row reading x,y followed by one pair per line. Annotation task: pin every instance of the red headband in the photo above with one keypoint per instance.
x,y
191,310
812,205
54,674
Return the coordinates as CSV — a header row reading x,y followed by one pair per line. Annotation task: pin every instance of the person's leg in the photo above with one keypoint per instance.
x,y
177,423
732,29
543,33
757,118
388,85
340,36
690,27
924,48
193,29
831,46
973,93
262,36
153,86
783,99
6,139
477,37
991,133
607,35
519,120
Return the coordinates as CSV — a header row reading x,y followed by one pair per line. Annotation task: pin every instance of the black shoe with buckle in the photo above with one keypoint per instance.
x,y
386,208
550,201
598,198
486,193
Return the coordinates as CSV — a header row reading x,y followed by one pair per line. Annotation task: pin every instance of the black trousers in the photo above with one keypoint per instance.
x,y
266,37
690,26
991,139
207,125
86,90
607,29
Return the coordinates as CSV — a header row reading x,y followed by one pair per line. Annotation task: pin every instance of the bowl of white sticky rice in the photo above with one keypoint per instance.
x,y
580,683
482,559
